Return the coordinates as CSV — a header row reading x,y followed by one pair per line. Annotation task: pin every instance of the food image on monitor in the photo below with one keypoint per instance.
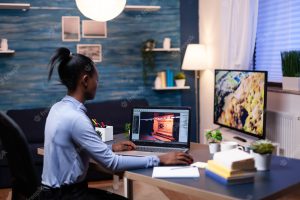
x,y
157,126
163,127
239,100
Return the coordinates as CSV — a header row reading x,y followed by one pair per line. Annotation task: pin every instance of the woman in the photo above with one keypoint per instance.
x,y
70,138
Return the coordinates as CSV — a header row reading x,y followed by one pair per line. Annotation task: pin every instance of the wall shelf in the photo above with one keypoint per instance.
x,y
7,51
162,49
172,88
142,8
24,6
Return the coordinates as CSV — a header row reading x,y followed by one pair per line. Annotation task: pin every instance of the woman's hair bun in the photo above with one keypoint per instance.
x,y
64,53
70,67
60,58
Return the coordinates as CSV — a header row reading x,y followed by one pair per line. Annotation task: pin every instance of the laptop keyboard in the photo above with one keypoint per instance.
x,y
158,149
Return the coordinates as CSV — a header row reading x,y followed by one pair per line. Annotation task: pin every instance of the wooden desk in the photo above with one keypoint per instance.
x,y
283,177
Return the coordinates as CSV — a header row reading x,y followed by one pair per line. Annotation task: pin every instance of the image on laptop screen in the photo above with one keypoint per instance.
x,y
160,125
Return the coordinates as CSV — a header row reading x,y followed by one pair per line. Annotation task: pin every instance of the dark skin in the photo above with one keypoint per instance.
x,y
86,90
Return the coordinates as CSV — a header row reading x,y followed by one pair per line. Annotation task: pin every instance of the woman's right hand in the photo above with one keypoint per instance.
x,y
175,158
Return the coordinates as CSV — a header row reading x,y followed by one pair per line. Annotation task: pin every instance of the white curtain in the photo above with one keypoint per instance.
x,y
228,28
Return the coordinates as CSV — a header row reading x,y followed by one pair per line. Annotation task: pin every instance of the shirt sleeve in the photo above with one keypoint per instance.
x,y
84,135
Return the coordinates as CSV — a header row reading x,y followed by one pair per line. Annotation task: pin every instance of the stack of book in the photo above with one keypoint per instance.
x,y
231,167
166,78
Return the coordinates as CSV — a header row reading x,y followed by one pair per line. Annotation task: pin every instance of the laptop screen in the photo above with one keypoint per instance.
x,y
161,126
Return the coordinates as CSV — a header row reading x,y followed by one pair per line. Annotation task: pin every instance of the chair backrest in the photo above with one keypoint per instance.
x,y
24,183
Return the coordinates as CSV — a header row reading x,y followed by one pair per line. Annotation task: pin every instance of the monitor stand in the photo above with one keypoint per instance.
x,y
240,139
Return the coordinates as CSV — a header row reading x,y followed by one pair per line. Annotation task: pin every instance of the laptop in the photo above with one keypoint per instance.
x,y
159,130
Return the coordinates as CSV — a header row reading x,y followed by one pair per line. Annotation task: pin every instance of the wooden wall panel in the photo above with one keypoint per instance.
x,y
36,33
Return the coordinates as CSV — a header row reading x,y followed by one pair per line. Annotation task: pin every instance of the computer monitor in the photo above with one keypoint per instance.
x,y
161,126
240,101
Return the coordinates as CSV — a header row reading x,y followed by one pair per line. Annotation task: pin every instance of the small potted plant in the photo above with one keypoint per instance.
x,y
214,137
180,79
148,57
261,151
290,61
127,130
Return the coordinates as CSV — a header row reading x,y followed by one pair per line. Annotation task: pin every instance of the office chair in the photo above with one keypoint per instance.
x,y
25,184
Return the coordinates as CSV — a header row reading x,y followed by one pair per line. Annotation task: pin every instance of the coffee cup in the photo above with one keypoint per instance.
x,y
228,145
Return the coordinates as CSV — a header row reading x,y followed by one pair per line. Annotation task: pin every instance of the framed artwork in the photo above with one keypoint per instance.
x,y
93,51
94,29
70,28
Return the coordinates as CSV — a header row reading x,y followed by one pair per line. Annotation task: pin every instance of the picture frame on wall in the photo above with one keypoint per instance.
x,y
70,28
93,51
94,29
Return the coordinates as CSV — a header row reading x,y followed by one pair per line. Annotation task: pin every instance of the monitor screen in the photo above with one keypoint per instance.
x,y
160,125
240,101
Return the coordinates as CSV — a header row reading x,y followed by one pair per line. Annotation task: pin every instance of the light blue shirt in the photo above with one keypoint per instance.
x,y
70,142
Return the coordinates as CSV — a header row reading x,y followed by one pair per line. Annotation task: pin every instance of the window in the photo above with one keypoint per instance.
x,y
278,30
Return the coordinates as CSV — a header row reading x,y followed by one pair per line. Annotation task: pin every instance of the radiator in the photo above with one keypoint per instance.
x,y
284,129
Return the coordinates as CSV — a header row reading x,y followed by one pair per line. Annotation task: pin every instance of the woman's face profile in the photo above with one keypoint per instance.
x,y
92,85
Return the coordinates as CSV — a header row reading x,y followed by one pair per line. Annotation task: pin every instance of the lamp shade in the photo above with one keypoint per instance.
x,y
194,58
101,10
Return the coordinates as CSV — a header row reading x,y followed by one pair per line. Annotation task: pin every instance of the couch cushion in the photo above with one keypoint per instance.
x,y
32,122
115,112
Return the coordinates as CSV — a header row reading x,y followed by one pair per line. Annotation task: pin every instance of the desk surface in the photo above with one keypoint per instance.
x,y
283,177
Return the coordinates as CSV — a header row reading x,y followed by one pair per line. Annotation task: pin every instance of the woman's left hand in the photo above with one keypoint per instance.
x,y
123,146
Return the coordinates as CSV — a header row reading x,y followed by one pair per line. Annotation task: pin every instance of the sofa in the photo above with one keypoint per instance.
x,y
32,121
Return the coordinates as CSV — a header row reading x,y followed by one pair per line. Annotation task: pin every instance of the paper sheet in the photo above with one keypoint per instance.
x,y
175,172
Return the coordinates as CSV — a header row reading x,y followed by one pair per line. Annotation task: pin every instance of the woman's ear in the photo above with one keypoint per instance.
x,y
84,80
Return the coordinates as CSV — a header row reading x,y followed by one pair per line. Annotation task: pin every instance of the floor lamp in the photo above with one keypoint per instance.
x,y
195,59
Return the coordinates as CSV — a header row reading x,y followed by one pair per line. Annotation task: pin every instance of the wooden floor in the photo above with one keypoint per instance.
x,y
149,192
141,191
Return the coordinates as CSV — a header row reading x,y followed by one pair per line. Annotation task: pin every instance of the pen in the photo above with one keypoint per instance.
x,y
103,125
95,122
184,167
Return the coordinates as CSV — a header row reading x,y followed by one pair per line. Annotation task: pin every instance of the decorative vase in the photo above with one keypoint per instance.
x,y
291,83
180,82
167,43
262,161
214,147
157,82
4,45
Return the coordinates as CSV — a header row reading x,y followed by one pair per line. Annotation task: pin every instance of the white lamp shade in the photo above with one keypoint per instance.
x,y
101,10
194,58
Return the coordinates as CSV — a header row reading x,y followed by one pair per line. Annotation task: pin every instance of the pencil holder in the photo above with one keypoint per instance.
x,y
106,134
